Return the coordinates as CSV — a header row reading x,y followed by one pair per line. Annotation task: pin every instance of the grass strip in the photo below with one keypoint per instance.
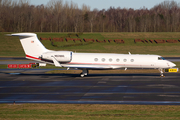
x,y
88,112
11,46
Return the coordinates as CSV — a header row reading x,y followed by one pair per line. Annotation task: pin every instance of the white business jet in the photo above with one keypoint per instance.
x,y
35,50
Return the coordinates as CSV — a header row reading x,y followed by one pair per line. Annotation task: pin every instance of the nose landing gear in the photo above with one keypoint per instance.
x,y
161,72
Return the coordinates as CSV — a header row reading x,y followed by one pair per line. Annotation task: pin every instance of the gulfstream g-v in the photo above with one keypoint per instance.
x,y
35,50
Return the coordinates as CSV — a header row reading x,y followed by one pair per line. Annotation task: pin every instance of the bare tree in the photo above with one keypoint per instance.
x,y
57,16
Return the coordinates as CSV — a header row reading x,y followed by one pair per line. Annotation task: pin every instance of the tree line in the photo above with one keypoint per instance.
x,y
57,16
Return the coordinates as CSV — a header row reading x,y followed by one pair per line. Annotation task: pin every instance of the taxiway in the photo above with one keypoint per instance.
x,y
39,87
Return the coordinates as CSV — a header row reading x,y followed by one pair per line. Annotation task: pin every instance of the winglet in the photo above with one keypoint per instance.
x,y
56,63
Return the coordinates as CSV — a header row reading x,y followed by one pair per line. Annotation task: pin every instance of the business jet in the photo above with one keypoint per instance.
x,y
35,50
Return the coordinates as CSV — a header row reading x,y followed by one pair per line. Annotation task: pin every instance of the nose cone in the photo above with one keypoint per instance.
x,y
172,64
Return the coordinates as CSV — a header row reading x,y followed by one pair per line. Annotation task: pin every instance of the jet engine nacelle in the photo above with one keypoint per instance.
x,y
60,56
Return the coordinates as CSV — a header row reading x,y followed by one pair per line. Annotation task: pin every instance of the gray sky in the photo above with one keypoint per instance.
x,y
105,4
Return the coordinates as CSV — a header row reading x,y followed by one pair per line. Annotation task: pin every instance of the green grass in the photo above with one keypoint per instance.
x,y
88,112
10,46
3,66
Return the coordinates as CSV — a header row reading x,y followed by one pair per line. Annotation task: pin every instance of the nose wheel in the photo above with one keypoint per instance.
x,y
161,73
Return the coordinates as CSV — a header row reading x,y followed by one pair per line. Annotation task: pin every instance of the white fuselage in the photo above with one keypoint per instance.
x,y
114,61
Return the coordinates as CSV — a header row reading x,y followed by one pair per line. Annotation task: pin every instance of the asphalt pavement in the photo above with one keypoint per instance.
x,y
38,87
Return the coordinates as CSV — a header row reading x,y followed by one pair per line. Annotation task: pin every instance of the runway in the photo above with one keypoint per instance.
x,y
140,89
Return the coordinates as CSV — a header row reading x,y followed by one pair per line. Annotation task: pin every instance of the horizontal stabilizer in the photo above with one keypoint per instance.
x,y
22,34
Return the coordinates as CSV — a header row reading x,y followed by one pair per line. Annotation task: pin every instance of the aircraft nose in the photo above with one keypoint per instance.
x,y
172,64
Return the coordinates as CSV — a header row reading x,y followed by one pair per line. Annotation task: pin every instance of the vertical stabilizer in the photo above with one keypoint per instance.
x,y
33,48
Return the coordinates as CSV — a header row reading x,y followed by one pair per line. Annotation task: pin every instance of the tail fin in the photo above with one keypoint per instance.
x,y
33,48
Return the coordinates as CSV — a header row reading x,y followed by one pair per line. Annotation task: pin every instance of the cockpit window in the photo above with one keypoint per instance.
x,y
161,58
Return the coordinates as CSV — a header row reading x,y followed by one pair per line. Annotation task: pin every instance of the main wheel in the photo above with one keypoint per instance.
x,y
82,75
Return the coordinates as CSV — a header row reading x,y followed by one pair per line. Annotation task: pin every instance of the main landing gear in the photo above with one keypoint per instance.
x,y
161,72
84,72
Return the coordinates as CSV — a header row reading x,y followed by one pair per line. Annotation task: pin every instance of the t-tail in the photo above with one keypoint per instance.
x,y
33,48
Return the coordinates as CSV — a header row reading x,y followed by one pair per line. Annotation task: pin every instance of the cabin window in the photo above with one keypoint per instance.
x,y
125,60
117,60
110,60
96,59
132,60
161,58
103,59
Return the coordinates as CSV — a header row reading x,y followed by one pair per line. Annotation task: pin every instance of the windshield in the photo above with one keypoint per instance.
x,y
161,58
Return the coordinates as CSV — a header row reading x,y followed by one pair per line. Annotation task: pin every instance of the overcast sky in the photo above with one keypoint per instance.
x,y
105,4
